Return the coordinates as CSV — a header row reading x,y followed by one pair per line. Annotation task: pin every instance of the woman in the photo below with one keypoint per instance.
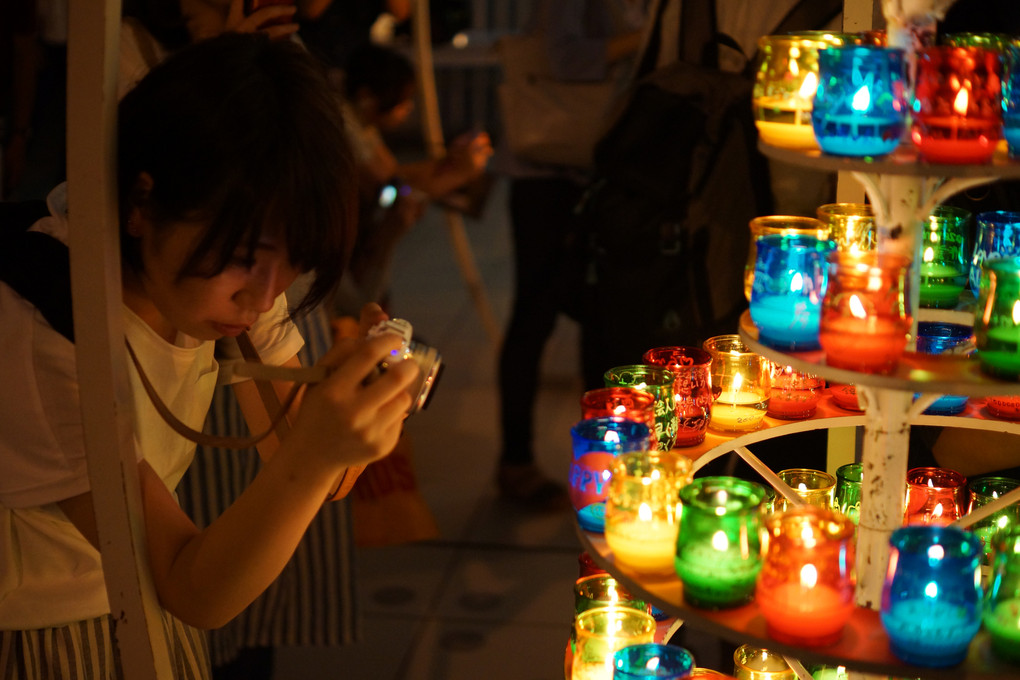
x,y
233,178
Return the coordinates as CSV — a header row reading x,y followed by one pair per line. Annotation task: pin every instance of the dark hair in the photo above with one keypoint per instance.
x,y
243,134
384,72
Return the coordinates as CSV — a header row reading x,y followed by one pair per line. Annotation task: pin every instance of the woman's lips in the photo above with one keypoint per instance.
x,y
229,330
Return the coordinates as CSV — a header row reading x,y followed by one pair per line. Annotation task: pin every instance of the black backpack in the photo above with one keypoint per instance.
x,y
36,265
678,176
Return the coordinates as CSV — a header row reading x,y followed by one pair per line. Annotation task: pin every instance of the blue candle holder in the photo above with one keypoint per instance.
x,y
1011,99
931,600
596,443
860,107
651,660
935,337
790,277
997,236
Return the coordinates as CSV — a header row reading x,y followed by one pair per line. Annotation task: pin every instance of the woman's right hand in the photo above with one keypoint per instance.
x,y
209,18
355,416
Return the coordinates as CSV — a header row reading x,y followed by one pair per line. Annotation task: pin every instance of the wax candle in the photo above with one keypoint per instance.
x,y
1001,352
794,395
830,673
869,345
807,616
929,632
756,663
738,411
955,140
941,285
1005,407
790,128
647,547
845,396
714,578
652,661
785,323
1002,621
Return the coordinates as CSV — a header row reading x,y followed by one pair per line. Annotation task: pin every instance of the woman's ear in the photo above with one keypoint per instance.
x,y
139,200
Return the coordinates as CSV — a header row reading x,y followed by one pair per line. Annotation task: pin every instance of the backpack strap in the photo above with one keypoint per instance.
x,y
36,265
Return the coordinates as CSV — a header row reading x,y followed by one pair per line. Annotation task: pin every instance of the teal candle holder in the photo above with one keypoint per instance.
x,y
1011,98
1001,615
944,268
997,235
997,318
652,661
931,599
718,553
789,284
596,443
860,106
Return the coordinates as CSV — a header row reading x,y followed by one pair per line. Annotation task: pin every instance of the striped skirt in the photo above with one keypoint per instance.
x,y
85,650
313,601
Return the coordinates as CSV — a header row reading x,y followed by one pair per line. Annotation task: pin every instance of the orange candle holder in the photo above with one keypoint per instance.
x,y
794,395
805,589
865,320
935,496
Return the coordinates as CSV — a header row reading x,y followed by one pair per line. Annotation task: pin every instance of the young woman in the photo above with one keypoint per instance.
x,y
234,177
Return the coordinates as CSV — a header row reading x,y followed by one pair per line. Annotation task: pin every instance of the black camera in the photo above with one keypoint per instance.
x,y
430,362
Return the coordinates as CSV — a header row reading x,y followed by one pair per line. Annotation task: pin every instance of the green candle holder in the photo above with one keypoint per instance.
x,y
658,382
997,318
847,497
944,265
984,490
1001,615
718,553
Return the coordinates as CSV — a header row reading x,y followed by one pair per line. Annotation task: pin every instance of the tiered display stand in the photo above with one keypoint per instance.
x,y
903,190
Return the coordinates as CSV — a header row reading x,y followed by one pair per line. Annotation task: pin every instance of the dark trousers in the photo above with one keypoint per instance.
x,y
541,215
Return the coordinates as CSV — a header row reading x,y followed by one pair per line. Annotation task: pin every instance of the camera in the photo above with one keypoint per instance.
x,y
430,363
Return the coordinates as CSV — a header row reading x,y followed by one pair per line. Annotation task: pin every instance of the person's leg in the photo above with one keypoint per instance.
x,y
540,212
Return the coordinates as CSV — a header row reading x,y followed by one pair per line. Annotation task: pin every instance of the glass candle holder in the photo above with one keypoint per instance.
x,y
829,673
789,284
756,663
997,318
643,509
944,268
1001,614
776,225
784,89
596,442
806,586
598,590
741,385
860,106
692,389
851,225
1005,407
814,486
958,106
602,631
997,235
1011,98
708,674
931,598
662,662
847,496
718,552
658,382
621,402
794,395
865,322
984,490
586,566
936,496
990,41
845,396
937,337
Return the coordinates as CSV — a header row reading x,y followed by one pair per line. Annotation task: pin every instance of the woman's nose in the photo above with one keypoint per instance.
x,y
262,288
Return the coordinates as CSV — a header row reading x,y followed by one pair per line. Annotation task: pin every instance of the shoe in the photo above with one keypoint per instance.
x,y
528,487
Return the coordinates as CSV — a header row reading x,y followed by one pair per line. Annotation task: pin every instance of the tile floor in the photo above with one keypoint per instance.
x,y
492,597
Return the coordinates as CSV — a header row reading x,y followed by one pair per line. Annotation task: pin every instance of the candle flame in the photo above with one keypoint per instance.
x,y
619,409
932,590
720,542
808,576
1016,312
797,282
611,436
644,513
861,100
936,511
936,553
810,84
931,484
960,103
738,380
653,664
857,308
929,254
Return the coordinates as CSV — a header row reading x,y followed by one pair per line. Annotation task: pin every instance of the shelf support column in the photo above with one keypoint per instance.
x,y
884,460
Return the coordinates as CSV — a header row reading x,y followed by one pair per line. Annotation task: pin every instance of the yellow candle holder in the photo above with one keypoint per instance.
x,y
643,509
603,630
784,87
814,486
741,385
756,663
851,226
786,225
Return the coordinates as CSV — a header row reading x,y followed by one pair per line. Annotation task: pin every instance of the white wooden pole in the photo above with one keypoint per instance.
x,y
94,29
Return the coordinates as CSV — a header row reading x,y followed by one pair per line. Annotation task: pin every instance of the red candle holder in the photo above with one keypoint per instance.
x,y
958,104
692,389
806,586
845,396
794,395
1006,407
865,323
935,496
621,402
